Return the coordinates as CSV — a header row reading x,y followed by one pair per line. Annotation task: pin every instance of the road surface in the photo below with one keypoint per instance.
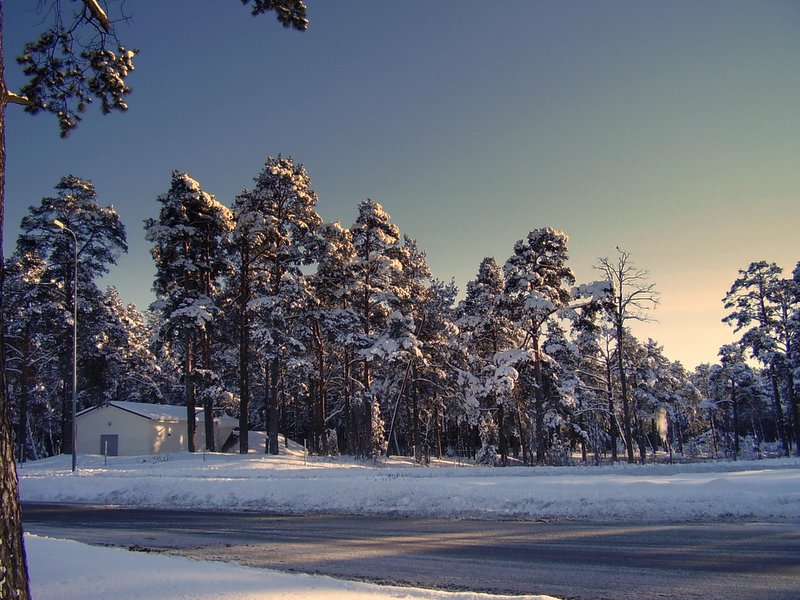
x,y
585,561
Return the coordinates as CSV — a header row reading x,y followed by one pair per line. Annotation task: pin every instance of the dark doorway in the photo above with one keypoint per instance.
x,y
109,444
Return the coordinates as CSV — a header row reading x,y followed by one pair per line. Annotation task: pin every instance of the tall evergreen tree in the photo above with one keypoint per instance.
x,y
123,364
189,240
276,233
537,286
761,304
100,237
376,270
735,386
334,326
486,331
31,350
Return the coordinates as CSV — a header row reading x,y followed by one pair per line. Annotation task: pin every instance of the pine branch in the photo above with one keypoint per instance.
x,y
13,98
97,12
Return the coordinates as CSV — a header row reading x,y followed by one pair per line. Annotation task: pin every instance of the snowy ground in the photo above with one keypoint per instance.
x,y
66,570
290,484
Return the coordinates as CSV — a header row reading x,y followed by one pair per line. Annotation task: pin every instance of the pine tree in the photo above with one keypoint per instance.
x,y
189,241
486,331
735,385
100,237
123,364
401,375
596,413
30,348
333,328
376,270
762,304
276,233
562,393
536,288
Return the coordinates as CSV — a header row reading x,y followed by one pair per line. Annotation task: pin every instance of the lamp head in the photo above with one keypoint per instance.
x,y
59,224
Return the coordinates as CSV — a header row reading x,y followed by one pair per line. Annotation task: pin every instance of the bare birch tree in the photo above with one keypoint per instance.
x,y
632,296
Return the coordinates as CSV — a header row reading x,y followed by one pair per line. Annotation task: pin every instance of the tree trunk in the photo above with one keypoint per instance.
x,y
188,383
24,392
320,398
348,406
780,417
623,381
208,399
501,435
641,441
415,424
244,356
792,400
274,369
612,417
13,563
366,446
714,443
522,441
735,405
538,404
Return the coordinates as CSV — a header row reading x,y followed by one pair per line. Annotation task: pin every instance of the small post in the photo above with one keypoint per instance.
x,y
105,453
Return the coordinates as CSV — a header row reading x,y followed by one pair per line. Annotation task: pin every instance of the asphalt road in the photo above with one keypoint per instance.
x,y
731,561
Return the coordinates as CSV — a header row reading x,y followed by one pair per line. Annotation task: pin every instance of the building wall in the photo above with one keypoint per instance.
x,y
136,434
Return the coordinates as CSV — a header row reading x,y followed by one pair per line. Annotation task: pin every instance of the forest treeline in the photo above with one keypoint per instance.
x,y
339,337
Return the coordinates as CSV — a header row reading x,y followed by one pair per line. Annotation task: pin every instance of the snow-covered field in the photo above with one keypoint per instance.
x,y
290,484
66,570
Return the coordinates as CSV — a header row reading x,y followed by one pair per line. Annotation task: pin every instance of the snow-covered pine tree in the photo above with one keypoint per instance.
x,y
537,286
762,304
276,225
399,383
189,239
596,414
435,386
123,364
333,327
100,237
486,332
30,353
376,270
561,362
739,396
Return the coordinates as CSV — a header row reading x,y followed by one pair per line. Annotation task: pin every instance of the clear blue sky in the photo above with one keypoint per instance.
x,y
671,129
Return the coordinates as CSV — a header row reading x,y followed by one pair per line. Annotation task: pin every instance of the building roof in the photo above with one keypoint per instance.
x,y
154,412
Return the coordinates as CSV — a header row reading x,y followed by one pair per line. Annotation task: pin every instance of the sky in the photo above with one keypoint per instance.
x,y
670,130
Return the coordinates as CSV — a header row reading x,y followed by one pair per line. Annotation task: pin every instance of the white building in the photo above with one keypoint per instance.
x,y
134,428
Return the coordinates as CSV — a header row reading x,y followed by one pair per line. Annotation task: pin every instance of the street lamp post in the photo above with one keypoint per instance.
x,y
63,227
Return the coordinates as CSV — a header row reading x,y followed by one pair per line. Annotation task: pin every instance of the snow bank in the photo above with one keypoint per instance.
x,y
66,570
765,489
